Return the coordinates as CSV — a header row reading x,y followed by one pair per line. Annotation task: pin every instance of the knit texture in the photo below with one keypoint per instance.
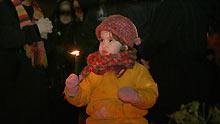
x,y
36,50
120,26
100,64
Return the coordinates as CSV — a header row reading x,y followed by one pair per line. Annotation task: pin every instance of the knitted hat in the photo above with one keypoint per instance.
x,y
120,26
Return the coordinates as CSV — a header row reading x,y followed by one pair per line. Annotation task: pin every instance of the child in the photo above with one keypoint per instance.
x,y
116,89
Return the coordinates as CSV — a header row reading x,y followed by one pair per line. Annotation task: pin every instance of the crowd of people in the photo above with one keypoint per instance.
x,y
133,66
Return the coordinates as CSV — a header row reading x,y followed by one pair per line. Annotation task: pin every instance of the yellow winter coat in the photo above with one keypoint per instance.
x,y
98,91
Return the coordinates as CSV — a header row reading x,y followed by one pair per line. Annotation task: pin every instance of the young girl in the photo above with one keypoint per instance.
x,y
115,88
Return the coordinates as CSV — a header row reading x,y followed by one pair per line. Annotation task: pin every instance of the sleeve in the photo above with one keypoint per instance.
x,y
32,33
11,37
14,38
85,91
10,33
146,87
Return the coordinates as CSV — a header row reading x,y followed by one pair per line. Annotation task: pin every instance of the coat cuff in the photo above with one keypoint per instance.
x,y
67,94
31,34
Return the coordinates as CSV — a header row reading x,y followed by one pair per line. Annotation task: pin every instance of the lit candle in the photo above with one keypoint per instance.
x,y
75,53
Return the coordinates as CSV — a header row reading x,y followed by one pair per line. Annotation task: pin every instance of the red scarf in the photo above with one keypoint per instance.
x,y
100,64
36,50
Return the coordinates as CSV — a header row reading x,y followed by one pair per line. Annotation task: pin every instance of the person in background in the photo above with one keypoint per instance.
x,y
23,90
60,44
213,56
213,36
67,36
115,88
176,45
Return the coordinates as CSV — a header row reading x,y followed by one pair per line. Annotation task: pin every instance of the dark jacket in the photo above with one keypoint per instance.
x,y
23,90
12,37
64,39
176,47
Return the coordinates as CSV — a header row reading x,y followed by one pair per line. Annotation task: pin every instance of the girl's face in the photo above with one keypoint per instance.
x,y
108,45
65,14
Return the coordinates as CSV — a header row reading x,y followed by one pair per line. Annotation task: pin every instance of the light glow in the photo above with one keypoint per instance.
x,y
75,52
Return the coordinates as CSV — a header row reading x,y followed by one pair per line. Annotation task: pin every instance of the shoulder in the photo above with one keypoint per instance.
x,y
3,1
94,77
6,3
8,13
139,67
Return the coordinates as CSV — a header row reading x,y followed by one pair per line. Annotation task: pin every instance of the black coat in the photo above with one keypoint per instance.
x,y
23,90
12,37
176,47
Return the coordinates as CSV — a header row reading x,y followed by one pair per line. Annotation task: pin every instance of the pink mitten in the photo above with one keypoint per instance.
x,y
72,84
128,94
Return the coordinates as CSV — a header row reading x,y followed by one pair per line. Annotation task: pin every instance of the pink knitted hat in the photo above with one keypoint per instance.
x,y
120,26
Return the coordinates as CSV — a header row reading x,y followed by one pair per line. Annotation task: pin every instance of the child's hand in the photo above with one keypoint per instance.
x,y
72,84
128,94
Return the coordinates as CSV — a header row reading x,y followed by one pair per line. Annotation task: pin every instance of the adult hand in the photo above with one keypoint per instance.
x,y
44,35
44,25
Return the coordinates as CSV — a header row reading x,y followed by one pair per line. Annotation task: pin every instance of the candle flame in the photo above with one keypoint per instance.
x,y
75,52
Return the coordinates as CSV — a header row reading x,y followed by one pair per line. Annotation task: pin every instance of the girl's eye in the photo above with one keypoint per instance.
x,y
110,40
101,40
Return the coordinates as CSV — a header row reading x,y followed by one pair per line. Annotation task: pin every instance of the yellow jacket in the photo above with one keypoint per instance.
x,y
98,91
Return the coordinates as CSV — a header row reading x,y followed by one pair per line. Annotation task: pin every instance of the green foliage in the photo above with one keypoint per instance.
x,y
193,113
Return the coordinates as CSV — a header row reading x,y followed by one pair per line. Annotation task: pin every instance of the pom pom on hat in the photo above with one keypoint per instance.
x,y
122,27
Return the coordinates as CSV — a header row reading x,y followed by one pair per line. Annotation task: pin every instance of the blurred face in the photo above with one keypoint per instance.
x,y
108,45
214,41
65,13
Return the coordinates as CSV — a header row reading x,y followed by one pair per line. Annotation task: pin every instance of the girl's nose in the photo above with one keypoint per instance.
x,y
105,43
